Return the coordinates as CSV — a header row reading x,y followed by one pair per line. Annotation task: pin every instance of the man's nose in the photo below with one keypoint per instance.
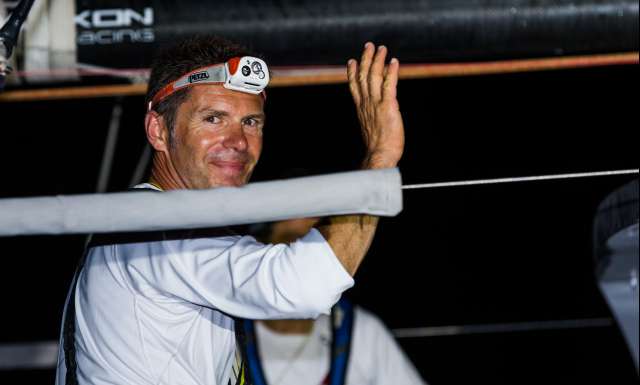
x,y
236,139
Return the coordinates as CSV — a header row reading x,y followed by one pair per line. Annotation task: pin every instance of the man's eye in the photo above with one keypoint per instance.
x,y
212,119
251,122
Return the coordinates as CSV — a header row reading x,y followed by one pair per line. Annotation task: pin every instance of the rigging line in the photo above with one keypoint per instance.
x,y
519,179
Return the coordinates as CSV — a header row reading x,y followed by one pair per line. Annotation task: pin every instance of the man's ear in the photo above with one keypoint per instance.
x,y
157,132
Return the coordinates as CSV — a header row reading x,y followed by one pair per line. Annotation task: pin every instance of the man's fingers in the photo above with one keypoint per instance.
x,y
352,71
389,88
375,73
363,68
369,79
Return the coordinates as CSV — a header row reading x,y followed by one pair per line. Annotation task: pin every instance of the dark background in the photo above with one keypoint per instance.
x,y
465,255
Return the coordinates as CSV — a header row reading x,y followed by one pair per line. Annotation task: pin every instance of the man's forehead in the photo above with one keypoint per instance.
x,y
216,96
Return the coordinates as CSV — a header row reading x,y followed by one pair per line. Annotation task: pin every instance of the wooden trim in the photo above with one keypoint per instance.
x,y
301,76
73,92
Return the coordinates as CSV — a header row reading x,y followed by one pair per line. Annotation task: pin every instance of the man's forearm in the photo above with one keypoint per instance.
x,y
374,93
349,237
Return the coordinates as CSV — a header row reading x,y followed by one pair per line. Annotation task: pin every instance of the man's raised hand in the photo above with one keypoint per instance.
x,y
373,88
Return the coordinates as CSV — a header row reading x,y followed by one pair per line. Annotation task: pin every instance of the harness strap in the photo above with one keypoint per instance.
x,y
248,345
69,330
342,318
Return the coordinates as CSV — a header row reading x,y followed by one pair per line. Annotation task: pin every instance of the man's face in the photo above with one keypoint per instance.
x,y
218,137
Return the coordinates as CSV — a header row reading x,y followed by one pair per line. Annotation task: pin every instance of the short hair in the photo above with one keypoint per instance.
x,y
185,56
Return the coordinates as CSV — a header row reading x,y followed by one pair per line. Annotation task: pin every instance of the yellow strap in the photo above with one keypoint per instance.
x,y
155,185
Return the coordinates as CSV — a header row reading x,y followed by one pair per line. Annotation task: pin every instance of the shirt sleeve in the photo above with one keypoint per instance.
x,y
239,275
380,357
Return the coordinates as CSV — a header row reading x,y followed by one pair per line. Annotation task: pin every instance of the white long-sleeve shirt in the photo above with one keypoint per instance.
x,y
158,312
303,359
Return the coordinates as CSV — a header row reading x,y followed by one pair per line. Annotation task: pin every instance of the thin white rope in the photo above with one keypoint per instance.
x,y
519,179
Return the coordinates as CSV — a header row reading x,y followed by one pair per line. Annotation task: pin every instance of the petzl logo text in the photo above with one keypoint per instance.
x,y
198,77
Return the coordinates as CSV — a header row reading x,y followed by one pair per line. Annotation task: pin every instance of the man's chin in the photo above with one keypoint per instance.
x,y
228,181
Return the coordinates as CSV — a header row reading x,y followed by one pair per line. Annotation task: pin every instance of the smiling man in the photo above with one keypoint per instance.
x,y
217,140
160,308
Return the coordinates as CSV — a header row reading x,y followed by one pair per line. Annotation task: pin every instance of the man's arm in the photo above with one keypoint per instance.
x,y
233,274
373,88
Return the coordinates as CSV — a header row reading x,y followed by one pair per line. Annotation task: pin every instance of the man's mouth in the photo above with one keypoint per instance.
x,y
231,165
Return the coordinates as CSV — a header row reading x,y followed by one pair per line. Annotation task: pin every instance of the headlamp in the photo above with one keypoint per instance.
x,y
245,74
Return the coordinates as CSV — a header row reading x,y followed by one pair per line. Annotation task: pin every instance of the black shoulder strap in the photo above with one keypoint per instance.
x,y
69,329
